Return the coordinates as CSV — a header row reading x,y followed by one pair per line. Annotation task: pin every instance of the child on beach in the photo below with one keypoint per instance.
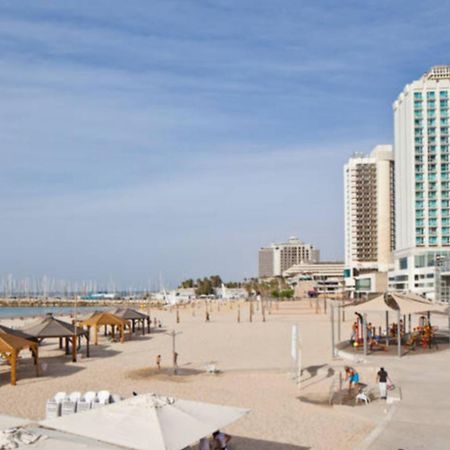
x,y
352,376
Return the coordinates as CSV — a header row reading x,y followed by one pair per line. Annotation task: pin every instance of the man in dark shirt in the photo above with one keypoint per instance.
x,y
382,378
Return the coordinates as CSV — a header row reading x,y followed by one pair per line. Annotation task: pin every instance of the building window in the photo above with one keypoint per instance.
x,y
403,263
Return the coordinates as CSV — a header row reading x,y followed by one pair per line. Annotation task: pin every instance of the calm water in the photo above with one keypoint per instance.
x,y
41,310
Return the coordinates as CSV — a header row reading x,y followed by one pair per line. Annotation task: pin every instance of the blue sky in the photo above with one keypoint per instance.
x,y
142,138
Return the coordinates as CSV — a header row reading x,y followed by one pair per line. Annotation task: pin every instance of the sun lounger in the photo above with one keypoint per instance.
x,y
52,409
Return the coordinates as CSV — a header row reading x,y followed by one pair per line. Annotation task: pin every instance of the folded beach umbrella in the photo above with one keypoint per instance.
x,y
148,422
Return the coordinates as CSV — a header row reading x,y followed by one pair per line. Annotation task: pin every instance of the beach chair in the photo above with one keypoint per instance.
x,y
115,398
363,396
68,407
60,397
75,396
211,368
104,397
52,409
90,396
83,405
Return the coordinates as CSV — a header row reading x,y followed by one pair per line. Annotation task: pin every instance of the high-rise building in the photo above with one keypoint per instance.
x,y
422,183
369,215
277,258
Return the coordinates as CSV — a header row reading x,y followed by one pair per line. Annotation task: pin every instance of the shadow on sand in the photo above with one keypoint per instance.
x,y
165,374
57,366
243,443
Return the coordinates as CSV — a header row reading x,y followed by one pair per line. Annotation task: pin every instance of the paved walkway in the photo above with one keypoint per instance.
x,y
422,419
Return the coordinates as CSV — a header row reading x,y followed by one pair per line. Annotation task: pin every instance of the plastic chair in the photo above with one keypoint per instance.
x,y
115,398
52,409
75,397
104,397
90,396
68,407
60,397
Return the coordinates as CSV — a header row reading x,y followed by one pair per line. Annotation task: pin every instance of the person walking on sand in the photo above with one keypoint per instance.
x,y
175,362
158,362
382,379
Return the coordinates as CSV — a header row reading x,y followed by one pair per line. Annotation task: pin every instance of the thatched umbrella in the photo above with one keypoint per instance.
x,y
133,316
11,345
50,327
105,318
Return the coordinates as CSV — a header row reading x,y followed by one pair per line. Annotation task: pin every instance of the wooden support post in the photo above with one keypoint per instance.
x,y
399,336
122,334
74,348
96,335
250,311
67,345
36,360
61,343
13,362
133,325
143,326
88,338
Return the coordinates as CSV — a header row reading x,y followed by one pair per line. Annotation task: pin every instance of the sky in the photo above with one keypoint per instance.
x,y
156,140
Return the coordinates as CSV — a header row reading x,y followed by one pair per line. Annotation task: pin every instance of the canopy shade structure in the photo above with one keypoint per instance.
x,y
50,327
411,305
375,305
14,332
128,314
105,318
11,345
404,302
133,316
149,422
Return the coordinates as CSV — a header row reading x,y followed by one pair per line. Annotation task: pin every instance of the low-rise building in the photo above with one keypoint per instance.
x,y
322,277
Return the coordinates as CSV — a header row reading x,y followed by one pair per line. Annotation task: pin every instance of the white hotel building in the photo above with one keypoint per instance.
x,y
422,185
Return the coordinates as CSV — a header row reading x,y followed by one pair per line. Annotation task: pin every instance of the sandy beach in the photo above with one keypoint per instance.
x,y
255,372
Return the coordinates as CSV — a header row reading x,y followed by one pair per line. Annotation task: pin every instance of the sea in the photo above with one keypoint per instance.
x,y
22,311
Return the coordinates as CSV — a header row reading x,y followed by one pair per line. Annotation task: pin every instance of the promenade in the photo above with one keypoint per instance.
x,y
421,420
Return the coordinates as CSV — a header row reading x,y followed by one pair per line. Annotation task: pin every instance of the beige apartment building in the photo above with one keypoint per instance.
x,y
369,218
277,258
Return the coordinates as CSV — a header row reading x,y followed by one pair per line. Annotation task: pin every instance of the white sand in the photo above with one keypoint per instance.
x,y
256,364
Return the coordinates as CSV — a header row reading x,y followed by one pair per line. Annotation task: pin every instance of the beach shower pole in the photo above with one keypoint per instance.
x,y
333,352
364,324
339,322
387,329
399,336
